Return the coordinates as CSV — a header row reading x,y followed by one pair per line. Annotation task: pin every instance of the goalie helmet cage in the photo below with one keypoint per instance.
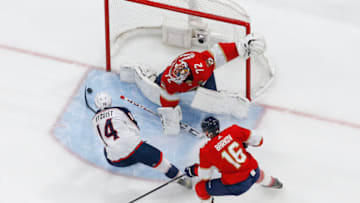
x,y
120,25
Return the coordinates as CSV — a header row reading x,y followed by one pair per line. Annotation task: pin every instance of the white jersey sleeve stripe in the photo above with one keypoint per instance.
x,y
218,54
205,173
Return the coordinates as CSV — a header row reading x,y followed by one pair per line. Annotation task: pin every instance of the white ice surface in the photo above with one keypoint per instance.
x,y
311,127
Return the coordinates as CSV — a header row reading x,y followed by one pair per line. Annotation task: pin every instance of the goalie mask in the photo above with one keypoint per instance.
x,y
179,72
102,100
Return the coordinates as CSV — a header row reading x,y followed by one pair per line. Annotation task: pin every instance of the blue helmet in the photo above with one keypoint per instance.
x,y
211,125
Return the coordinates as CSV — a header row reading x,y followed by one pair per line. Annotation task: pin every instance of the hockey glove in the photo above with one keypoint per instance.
x,y
192,170
252,45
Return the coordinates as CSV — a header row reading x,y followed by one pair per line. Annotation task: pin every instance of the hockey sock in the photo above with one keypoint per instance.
x,y
167,168
172,172
265,180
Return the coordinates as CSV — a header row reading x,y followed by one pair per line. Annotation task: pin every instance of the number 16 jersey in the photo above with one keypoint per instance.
x,y
118,131
227,153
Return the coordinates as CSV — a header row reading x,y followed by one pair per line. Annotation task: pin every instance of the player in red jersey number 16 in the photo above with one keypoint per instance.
x,y
226,150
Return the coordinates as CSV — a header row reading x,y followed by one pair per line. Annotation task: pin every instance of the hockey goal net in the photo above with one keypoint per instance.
x,y
154,32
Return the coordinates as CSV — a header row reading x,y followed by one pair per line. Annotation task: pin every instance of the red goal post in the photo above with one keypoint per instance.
x,y
172,6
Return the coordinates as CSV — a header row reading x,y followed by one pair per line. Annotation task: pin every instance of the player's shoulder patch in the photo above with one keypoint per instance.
x,y
209,61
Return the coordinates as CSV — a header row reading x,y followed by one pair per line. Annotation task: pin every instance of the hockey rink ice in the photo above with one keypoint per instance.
x,y
49,50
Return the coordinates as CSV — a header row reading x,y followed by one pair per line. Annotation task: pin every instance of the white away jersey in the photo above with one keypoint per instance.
x,y
118,130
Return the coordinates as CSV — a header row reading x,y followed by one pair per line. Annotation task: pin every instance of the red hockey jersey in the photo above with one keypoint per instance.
x,y
201,66
227,153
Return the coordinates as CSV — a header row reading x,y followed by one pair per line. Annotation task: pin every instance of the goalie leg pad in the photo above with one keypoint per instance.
x,y
170,118
220,102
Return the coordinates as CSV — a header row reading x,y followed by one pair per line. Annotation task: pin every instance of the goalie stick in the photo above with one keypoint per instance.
x,y
155,189
183,125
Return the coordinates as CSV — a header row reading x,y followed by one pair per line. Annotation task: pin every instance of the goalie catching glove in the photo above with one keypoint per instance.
x,y
252,45
170,118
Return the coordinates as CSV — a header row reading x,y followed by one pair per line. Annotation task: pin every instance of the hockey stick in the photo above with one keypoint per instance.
x,y
161,186
183,125
86,101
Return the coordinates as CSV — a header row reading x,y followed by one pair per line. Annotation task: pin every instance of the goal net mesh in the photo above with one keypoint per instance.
x,y
135,36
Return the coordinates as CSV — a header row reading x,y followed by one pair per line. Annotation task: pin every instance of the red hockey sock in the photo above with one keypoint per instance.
x,y
200,189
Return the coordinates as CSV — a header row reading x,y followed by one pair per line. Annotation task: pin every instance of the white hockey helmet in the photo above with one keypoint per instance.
x,y
102,100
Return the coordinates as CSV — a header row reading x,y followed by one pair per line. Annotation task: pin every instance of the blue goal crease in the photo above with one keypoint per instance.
x,y
75,129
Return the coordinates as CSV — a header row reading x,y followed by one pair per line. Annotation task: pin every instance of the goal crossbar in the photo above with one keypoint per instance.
x,y
246,25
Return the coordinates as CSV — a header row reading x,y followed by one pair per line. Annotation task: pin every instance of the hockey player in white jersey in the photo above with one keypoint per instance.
x,y
120,134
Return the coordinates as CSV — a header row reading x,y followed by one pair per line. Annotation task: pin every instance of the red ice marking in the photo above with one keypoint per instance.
x,y
312,116
53,58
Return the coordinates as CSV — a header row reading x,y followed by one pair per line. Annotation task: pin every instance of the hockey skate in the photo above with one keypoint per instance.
x,y
186,182
276,184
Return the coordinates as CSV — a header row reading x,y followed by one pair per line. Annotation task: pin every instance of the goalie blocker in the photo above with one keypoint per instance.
x,y
220,102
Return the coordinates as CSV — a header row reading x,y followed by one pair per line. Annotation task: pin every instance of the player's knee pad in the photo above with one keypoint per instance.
x,y
200,189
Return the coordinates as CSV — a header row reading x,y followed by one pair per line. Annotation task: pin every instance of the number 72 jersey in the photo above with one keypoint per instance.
x,y
227,153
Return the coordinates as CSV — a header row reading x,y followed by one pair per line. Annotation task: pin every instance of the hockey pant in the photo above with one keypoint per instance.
x,y
148,155
215,187
210,83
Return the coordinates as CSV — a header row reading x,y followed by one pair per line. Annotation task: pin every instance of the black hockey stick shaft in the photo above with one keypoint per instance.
x,y
86,101
183,125
155,189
